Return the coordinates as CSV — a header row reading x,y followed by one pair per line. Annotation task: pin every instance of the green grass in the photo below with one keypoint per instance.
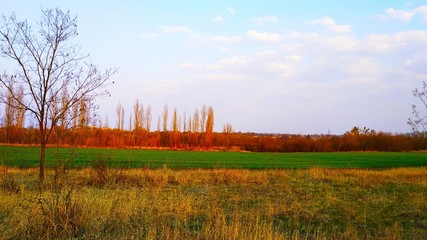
x,y
132,158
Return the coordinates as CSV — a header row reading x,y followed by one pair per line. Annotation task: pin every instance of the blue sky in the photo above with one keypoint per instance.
x,y
264,66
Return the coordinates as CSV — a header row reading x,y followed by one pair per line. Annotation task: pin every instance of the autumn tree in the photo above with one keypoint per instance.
x,y
196,121
138,112
209,127
418,122
120,111
148,118
84,113
20,112
165,116
63,120
203,115
228,128
227,131
175,129
14,115
47,61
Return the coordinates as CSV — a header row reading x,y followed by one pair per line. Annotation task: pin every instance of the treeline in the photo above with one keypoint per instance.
x,y
81,126
354,140
326,143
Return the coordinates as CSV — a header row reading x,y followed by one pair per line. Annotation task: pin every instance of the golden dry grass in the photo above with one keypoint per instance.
x,y
98,203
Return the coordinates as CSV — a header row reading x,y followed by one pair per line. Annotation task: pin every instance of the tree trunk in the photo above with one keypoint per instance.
x,y
42,159
42,151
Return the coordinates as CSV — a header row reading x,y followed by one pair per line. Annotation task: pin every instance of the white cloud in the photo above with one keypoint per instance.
x,y
224,77
264,20
190,66
330,24
285,70
225,50
381,43
321,42
400,15
404,16
291,47
238,60
264,36
423,12
267,53
225,39
363,67
197,66
218,19
231,10
175,29
293,58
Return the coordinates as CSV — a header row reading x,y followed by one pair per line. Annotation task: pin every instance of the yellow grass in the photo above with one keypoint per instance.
x,y
317,203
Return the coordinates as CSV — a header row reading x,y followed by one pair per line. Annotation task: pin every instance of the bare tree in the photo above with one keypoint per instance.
x,y
148,118
196,121
106,122
84,113
228,128
184,122
175,129
209,126
48,61
64,99
10,110
14,115
175,120
138,111
203,115
418,123
120,110
165,117
20,114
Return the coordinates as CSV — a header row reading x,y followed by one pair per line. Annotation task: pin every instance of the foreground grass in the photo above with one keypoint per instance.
x,y
19,156
316,203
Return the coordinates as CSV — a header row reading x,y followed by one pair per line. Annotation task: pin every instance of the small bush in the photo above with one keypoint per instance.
x,y
100,169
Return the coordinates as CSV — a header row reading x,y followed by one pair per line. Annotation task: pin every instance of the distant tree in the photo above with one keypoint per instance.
x,y
20,112
175,128
158,135
10,110
106,122
418,123
138,112
148,118
196,121
203,116
356,131
14,115
47,61
190,124
84,113
63,120
209,126
120,111
165,117
228,128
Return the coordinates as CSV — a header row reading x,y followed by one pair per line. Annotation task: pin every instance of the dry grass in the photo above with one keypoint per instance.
x,y
317,203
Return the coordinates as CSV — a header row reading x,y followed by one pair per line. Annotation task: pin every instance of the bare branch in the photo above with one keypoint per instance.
x,y
49,64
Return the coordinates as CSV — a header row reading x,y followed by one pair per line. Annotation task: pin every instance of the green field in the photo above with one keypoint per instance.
x,y
135,158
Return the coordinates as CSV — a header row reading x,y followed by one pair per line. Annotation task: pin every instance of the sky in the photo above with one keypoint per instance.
x,y
300,67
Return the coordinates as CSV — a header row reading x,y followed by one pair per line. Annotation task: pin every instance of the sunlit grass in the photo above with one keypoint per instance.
x,y
316,203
